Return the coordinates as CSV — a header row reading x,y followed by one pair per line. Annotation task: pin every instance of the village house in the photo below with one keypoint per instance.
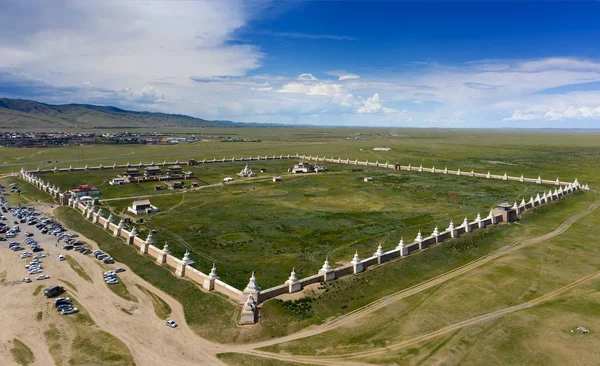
x,y
140,207
84,190
368,179
277,179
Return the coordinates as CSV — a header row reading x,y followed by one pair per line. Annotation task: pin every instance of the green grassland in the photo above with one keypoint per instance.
x,y
244,225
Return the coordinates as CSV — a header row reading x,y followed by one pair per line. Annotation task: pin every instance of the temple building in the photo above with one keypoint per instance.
x,y
84,190
246,173
140,207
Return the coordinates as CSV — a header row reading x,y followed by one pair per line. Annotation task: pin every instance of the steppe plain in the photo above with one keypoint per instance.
x,y
510,294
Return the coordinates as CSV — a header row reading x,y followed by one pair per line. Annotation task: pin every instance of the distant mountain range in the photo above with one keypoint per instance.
x,y
29,114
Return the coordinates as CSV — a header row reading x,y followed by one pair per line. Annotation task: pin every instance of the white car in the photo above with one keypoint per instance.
x,y
42,277
26,279
171,323
61,257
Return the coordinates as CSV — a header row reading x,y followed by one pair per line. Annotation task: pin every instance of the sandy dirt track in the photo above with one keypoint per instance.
x,y
150,341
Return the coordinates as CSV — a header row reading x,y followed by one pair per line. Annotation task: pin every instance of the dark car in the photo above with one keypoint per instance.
x,y
53,291
37,249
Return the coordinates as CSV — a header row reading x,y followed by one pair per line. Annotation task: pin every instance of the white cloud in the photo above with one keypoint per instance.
x,y
572,112
124,44
373,105
349,77
520,116
558,63
266,86
147,94
322,89
307,77
342,75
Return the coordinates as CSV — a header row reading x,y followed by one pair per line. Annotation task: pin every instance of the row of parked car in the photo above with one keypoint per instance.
x,y
110,277
65,306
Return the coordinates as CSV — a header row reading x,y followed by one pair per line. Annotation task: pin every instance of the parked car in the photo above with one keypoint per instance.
x,y
42,277
69,311
26,279
171,323
118,270
62,300
64,306
61,257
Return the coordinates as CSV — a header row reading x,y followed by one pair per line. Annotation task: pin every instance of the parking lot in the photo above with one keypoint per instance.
x,y
130,321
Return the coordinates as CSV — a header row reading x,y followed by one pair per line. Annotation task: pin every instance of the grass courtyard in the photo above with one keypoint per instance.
x,y
257,225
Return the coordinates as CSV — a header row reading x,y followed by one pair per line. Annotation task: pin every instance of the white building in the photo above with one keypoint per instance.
x,y
140,207
382,148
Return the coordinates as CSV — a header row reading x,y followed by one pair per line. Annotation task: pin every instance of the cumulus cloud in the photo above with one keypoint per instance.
x,y
572,112
307,77
520,116
322,89
373,105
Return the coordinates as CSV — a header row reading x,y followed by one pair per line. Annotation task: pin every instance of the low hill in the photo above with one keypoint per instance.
x,y
29,114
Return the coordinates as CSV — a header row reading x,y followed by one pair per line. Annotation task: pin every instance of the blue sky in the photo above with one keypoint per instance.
x,y
389,63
